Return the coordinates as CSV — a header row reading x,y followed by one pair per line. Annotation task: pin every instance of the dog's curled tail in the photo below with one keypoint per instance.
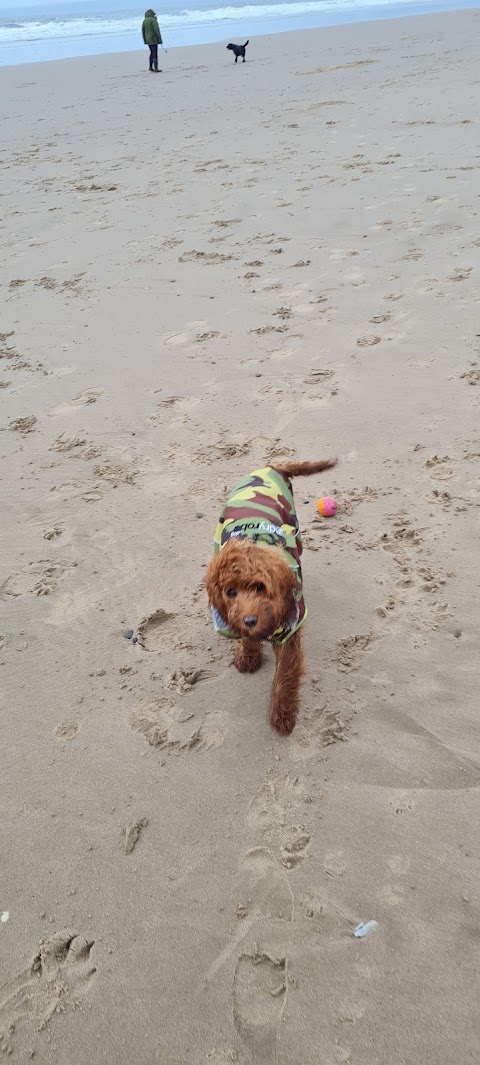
x,y
304,469
246,42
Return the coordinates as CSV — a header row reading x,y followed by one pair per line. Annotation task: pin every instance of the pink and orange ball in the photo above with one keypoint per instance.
x,y
327,506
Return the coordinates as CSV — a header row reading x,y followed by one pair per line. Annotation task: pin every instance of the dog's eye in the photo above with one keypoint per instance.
x,y
259,587
232,593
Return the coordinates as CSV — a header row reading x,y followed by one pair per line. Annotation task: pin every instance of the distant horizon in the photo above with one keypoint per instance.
x,y
45,30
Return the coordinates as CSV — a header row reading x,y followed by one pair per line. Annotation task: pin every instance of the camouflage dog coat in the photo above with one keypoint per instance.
x,y
261,508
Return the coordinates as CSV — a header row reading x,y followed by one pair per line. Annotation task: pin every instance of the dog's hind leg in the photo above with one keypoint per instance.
x,y
248,655
285,696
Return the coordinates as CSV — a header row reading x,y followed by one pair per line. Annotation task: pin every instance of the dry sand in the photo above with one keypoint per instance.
x,y
202,270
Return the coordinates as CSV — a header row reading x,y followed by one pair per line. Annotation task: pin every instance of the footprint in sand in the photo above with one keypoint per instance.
x,y
225,223
70,285
316,377
85,398
263,889
60,972
224,448
419,364
259,997
368,342
170,728
295,842
263,330
184,680
36,578
260,977
188,335
54,532
90,395
115,473
284,313
350,648
415,589
179,405
23,425
159,628
472,375
76,446
95,188
273,804
377,319
209,334
413,255
319,726
68,443
438,467
262,893
209,258
460,274
132,832
274,449
66,730
401,535
92,496
319,377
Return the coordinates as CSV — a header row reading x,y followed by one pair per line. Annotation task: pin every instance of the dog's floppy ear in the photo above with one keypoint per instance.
x,y
212,584
285,582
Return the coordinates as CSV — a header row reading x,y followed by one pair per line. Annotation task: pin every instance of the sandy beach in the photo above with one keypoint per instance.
x,y
203,271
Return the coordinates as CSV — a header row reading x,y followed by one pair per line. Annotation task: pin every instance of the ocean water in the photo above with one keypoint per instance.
x,y
58,29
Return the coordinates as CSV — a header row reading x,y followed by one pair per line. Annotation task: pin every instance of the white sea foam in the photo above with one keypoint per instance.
x,y
49,29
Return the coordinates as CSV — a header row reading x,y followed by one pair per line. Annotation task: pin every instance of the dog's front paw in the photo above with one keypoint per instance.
x,y
248,658
283,718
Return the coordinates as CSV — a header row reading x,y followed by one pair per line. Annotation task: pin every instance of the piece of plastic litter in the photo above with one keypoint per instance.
x,y
4,916
364,928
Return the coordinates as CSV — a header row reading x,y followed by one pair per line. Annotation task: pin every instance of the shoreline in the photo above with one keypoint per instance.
x,y
214,33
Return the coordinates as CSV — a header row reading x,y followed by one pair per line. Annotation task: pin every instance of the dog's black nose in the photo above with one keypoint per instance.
x,y
250,621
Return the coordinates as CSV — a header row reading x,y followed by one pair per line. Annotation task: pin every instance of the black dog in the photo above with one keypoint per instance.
x,y
238,50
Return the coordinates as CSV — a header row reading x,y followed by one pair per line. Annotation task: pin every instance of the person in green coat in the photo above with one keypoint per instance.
x,y
151,36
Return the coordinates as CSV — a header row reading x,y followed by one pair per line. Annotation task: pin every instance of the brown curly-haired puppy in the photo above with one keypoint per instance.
x,y
254,581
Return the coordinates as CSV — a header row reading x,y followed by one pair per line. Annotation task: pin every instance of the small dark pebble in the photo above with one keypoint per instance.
x,y
128,634
258,375
134,639
199,514
457,634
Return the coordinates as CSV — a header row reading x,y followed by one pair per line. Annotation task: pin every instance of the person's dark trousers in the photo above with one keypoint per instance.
x,y
153,61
